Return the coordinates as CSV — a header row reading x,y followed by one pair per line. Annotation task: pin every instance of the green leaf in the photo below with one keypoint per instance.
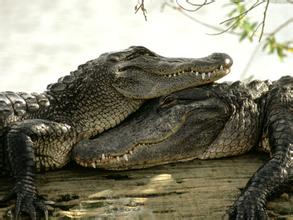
x,y
280,53
243,36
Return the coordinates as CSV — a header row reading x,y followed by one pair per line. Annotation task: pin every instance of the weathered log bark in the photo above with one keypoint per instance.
x,y
191,190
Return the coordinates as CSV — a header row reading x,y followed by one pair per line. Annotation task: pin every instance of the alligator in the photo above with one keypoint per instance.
x,y
38,131
206,122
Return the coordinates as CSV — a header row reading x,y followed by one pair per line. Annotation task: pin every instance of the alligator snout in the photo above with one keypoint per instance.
x,y
223,58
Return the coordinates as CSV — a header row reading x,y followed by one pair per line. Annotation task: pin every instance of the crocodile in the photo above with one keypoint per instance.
x,y
38,131
207,122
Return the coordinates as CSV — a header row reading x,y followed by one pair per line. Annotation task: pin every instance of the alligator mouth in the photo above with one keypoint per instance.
x,y
157,132
214,65
144,81
221,70
198,71
115,162
119,160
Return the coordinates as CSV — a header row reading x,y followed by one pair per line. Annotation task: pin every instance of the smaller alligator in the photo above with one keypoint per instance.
x,y
38,131
207,122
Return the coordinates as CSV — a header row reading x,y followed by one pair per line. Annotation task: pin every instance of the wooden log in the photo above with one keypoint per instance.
x,y
189,190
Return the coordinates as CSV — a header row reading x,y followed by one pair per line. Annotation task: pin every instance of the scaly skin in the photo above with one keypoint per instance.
x,y
207,122
38,131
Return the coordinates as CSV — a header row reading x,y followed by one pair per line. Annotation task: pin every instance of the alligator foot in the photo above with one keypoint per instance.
x,y
21,140
245,208
26,202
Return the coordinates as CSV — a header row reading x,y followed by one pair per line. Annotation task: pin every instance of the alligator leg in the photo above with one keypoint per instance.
x,y
276,172
26,141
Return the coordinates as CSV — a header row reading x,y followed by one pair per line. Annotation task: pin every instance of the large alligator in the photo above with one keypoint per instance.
x,y
38,131
207,122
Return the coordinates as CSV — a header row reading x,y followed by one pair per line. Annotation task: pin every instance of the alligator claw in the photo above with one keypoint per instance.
x,y
247,209
27,202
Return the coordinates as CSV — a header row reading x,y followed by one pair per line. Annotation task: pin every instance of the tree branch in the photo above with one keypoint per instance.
x,y
236,19
182,11
198,6
264,20
140,6
243,14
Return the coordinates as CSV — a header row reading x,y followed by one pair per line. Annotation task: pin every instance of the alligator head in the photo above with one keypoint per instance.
x,y
104,91
143,74
173,128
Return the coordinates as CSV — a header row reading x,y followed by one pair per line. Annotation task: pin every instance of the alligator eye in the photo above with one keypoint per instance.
x,y
113,59
138,52
130,68
168,101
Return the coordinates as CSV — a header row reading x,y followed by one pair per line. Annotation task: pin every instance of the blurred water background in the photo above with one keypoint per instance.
x,y
42,40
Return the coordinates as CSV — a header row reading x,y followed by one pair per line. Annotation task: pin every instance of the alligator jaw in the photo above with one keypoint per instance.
x,y
147,139
205,72
142,78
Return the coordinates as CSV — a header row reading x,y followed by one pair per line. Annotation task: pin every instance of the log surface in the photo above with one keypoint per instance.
x,y
189,190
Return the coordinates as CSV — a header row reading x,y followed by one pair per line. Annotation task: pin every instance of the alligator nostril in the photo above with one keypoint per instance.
x,y
228,62
223,58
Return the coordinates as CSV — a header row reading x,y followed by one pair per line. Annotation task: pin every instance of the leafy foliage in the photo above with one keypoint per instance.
x,y
241,22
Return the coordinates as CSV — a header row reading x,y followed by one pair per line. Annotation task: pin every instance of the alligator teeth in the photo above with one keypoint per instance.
x,y
118,158
203,75
221,67
131,152
93,164
209,74
103,157
125,157
227,71
196,74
